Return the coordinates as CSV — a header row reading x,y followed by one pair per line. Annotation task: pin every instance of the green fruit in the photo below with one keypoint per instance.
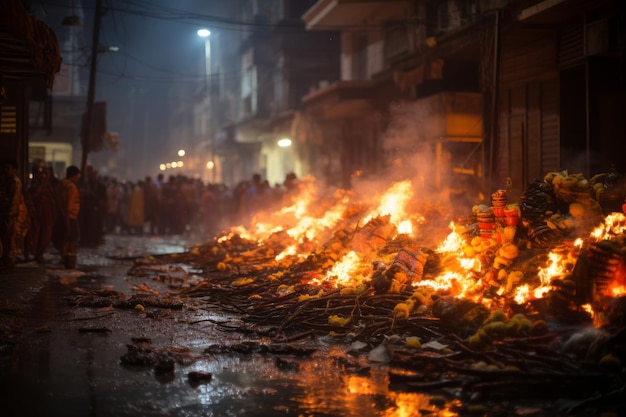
x,y
497,315
525,326
495,328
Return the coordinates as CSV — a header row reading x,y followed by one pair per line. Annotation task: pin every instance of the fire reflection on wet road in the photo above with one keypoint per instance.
x,y
66,361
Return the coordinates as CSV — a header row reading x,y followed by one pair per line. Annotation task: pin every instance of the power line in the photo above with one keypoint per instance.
x,y
148,10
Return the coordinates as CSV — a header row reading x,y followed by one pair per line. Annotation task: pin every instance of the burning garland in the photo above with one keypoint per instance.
x,y
504,272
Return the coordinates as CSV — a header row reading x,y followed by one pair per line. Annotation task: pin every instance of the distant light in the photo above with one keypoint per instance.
x,y
181,152
114,48
174,164
284,142
204,33
162,167
168,165
210,165
180,164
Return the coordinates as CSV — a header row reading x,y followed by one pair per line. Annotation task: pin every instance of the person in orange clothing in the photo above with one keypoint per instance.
x,y
14,219
68,205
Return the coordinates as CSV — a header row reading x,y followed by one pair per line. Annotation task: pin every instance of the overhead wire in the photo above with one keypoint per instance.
x,y
168,13
147,9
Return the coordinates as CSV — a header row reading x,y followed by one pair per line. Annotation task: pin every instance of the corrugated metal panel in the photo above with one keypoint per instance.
x,y
530,143
550,131
517,140
501,162
528,60
571,50
532,167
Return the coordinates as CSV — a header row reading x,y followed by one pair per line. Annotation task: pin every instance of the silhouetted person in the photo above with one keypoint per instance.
x,y
68,203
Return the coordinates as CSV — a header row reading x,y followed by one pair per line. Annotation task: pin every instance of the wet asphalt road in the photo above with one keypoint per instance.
x,y
58,359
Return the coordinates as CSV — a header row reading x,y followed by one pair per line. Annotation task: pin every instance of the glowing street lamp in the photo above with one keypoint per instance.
x,y
181,152
284,142
205,33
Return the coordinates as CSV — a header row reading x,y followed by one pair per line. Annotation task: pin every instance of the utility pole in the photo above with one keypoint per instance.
x,y
91,92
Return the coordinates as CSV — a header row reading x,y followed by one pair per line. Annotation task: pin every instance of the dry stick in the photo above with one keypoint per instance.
x,y
292,317
531,357
295,337
598,399
93,317
393,323
204,320
461,344
203,284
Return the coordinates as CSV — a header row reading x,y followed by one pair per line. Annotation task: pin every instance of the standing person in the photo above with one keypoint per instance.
x,y
150,201
125,190
170,206
14,219
93,195
68,204
159,217
210,210
136,209
252,196
102,205
43,211
114,217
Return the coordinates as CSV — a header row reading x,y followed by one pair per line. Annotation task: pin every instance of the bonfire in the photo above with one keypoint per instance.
x,y
531,289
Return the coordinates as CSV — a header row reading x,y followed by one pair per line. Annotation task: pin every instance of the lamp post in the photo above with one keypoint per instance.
x,y
95,41
206,34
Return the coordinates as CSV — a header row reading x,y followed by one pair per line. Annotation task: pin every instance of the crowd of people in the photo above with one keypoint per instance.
x,y
82,208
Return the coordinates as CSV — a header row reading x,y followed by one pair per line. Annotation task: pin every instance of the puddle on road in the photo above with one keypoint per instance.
x,y
54,369
63,372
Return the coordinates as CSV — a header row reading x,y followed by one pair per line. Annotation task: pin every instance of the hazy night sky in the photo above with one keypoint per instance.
x,y
158,49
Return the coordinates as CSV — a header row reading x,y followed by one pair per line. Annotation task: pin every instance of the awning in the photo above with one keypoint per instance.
x,y
416,76
341,100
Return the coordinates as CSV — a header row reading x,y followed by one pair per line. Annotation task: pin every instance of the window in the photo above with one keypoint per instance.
x,y
359,56
396,40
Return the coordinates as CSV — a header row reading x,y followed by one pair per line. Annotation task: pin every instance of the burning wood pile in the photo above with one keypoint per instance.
x,y
523,295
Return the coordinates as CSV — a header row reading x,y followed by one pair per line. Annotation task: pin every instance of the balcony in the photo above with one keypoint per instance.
x,y
341,100
334,14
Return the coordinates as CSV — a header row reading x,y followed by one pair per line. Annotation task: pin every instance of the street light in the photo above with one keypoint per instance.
x,y
284,142
206,34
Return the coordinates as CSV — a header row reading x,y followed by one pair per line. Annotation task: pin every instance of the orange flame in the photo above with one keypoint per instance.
x,y
348,271
393,203
466,273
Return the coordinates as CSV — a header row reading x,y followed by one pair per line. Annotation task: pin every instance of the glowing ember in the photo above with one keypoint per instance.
x,y
618,291
393,203
521,294
345,272
453,243
554,269
405,228
309,227
291,250
468,265
614,225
